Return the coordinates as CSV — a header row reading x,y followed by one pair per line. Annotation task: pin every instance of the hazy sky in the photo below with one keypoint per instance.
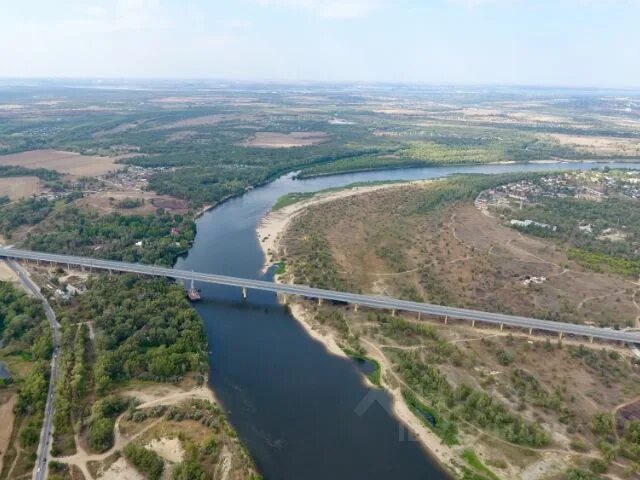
x,y
559,42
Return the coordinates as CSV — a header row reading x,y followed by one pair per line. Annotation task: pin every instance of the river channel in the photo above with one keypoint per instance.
x,y
302,412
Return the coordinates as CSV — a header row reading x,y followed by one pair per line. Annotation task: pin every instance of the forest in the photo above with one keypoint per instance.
x,y
27,344
591,247
151,239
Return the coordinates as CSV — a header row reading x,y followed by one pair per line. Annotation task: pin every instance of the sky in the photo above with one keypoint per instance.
x,y
510,42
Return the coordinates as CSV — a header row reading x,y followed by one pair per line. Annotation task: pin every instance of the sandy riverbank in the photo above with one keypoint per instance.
x,y
274,223
270,231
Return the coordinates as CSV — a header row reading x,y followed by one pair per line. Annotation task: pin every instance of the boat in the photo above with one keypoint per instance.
x,y
193,294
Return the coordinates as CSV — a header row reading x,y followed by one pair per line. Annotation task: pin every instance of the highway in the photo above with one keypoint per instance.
x,y
44,447
373,301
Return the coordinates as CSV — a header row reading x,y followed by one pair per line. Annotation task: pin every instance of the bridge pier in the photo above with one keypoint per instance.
x,y
355,307
393,312
501,326
244,293
560,337
446,319
419,316
319,302
530,331
590,339
473,323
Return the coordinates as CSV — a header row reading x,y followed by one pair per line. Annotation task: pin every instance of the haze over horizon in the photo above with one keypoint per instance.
x,y
502,42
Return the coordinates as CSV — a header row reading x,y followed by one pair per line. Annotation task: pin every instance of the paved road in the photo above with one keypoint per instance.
x,y
373,301
44,447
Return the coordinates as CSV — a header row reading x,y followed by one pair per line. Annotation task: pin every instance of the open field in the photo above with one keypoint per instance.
x,y
19,187
63,162
285,140
601,146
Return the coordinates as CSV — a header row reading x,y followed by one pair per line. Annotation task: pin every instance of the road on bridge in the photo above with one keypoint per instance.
x,y
373,301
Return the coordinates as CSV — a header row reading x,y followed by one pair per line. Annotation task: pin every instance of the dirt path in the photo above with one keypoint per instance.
x,y
386,365
82,456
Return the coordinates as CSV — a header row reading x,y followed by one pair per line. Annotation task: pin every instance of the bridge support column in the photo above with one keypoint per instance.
x,y
501,326
244,293
446,319
531,331
590,339
319,302
419,316
560,337
473,323
393,312
284,299
355,307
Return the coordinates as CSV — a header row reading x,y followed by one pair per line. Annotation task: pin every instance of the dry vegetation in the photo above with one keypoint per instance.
x,y
379,242
601,146
19,187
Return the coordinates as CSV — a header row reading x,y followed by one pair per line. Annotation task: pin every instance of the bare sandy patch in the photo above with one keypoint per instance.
x,y
285,140
605,146
19,187
64,162
121,470
6,420
168,448
6,274
155,394
109,201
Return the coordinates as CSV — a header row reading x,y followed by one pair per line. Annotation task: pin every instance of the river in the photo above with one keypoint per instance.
x,y
295,406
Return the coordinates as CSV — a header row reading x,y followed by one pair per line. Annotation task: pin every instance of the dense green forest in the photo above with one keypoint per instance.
x,y
114,236
18,171
146,330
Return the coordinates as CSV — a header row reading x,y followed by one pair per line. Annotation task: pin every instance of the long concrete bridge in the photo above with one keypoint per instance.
x,y
372,301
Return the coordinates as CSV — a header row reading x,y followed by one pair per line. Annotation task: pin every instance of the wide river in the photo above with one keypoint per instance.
x,y
298,409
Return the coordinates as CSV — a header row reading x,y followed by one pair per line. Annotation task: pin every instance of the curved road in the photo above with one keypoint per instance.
x,y
373,301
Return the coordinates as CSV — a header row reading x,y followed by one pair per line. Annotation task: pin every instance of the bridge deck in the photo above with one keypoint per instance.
x,y
372,301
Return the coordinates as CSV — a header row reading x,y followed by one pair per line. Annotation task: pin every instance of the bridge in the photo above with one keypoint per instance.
x,y
372,301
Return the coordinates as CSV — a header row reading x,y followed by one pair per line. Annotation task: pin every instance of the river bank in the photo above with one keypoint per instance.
x,y
270,231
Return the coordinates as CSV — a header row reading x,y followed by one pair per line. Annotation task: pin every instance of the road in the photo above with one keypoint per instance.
x,y
44,447
373,301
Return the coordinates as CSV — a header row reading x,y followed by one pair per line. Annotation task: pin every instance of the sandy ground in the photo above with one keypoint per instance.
x,y
168,448
269,231
19,187
64,162
121,470
6,420
285,140
6,274
149,395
